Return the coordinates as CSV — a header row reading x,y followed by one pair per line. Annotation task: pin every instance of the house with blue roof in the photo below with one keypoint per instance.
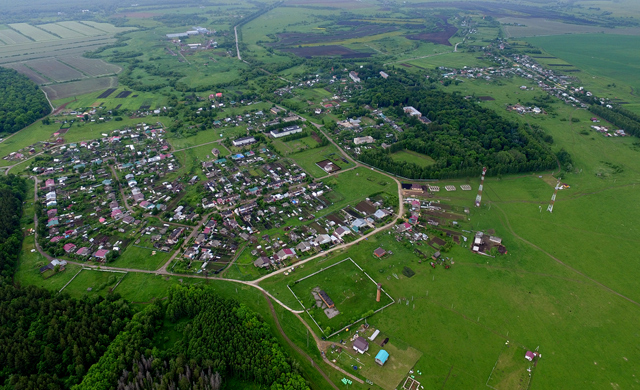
x,y
382,357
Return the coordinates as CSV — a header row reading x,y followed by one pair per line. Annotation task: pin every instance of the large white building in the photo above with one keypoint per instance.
x,y
412,111
244,141
364,140
285,131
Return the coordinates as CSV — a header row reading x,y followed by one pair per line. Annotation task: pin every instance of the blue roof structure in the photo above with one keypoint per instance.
x,y
382,356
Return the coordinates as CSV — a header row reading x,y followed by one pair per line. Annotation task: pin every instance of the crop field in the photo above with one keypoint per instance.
x,y
55,70
76,88
106,27
82,28
413,157
91,66
329,50
530,27
61,47
352,291
30,73
33,33
11,37
450,59
60,31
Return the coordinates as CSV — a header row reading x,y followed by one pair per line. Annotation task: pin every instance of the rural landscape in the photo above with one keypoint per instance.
x,y
312,194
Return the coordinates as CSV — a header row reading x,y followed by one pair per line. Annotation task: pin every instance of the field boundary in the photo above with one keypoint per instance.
x,y
353,323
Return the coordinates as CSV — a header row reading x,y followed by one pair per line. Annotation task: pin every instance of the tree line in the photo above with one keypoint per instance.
x,y
21,101
624,119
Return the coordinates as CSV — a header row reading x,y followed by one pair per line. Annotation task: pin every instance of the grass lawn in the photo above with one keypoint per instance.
x,y
355,185
100,282
412,157
139,257
307,159
353,293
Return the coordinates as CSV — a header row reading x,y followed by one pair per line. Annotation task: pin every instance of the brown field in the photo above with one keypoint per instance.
x,y
330,50
30,73
440,37
55,70
295,39
90,66
75,88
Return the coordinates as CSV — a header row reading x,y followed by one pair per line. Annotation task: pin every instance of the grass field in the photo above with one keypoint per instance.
x,y
307,159
413,157
138,257
100,282
352,291
609,68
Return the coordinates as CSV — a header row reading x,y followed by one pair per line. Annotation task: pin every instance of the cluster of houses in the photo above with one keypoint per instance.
x,y
84,212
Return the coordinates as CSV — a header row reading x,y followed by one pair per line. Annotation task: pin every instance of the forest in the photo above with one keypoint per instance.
x,y
462,138
21,101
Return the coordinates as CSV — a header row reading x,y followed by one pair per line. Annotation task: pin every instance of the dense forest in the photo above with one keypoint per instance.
x,y
222,338
462,138
13,191
21,101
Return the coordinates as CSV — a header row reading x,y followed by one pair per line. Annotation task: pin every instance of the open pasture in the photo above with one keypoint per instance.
x,y
33,33
307,159
93,282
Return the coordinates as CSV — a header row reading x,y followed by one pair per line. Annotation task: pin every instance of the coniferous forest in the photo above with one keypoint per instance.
x,y
21,101
462,138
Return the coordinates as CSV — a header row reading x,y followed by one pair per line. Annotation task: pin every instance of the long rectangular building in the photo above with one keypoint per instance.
x,y
278,133
325,298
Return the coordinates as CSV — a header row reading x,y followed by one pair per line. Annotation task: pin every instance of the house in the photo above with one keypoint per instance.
x,y
364,140
383,74
101,254
275,110
303,246
354,77
278,133
53,264
358,224
412,111
436,255
382,357
379,252
284,254
174,236
69,248
530,355
361,345
325,298
128,220
244,141
321,239
262,262
83,251
379,214
341,231
403,227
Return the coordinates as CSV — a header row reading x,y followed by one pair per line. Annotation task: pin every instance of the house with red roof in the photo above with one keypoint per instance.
x,y
69,248
83,251
101,254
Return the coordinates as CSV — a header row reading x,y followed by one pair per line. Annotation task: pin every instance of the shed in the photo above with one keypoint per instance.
x,y
361,345
382,357
374,335
379,252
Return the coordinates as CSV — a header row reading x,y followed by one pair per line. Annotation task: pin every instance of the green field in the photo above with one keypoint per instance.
x,y
307,159
353,293
604,60
413,157
139,257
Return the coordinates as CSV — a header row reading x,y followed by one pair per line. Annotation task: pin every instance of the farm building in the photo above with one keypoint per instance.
x,y
361,345
382,357
327,301
379,252
364,140
285,131
412,111
244,141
